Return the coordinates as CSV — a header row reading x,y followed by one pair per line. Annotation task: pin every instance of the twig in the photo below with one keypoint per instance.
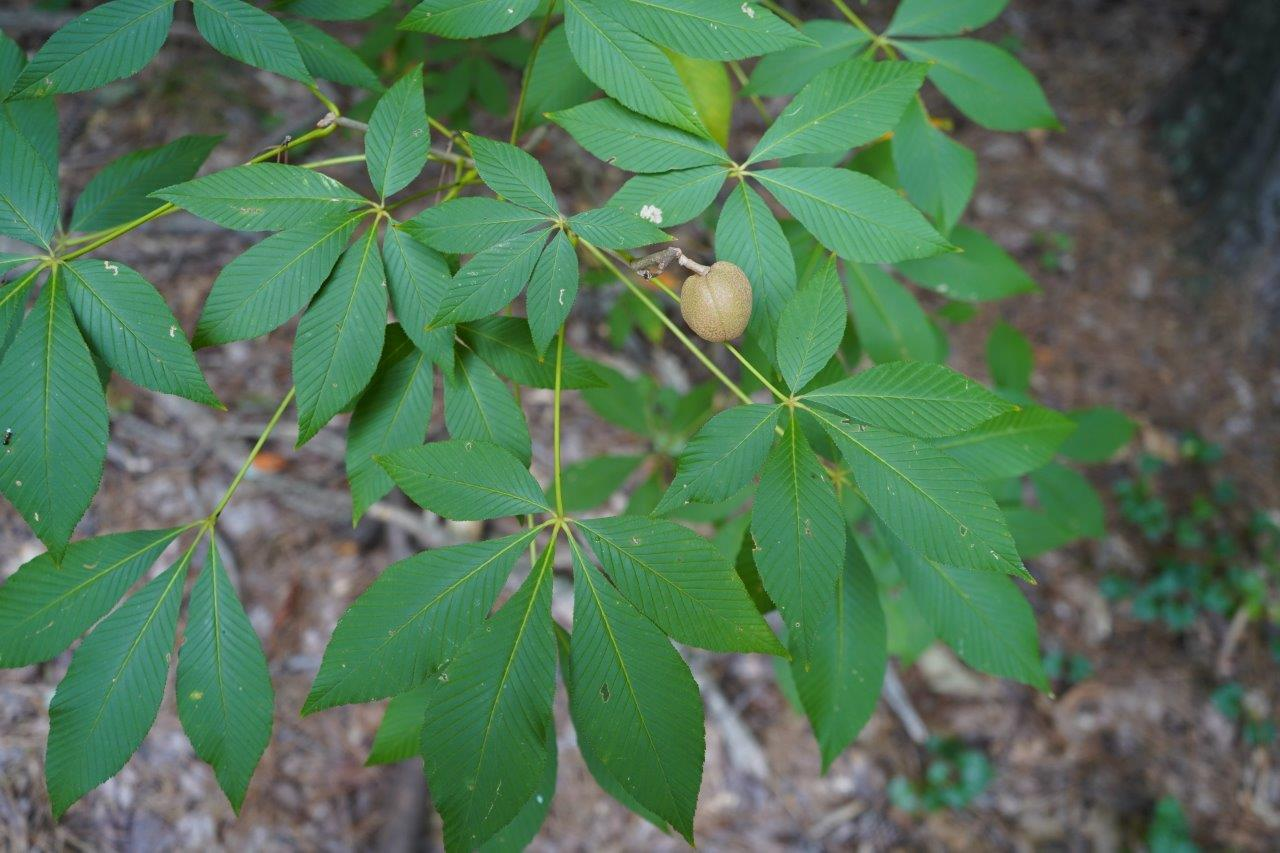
x,y
900,703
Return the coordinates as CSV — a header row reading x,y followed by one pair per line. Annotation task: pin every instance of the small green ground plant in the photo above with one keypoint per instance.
x,y
830,470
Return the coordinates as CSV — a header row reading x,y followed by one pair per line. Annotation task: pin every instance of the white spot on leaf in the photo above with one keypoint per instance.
x,y
652,213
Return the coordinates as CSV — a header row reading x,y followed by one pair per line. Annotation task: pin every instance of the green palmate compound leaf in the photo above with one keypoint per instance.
x,y
340,336
337,10
514,174
591,482
399,735
937,172
467,19
890,322
330,59
46,604
680,581
263,197
980,272
839,683
393,413
612,228
248,34
398,140
111,694
671,198
748,235
225,700
479,405
525,825
707,82
787,71
634,142
719,29
1069,500
418,278
466,225
412,620
983,616
106,43
723,457
504,343
553,288
799,538
1009,358
1100,433
490,280
1010,445
53,406
857,217
120,192
844,107
130,327
28,190
634,700
271,282
926,498
985,83
465,479
555,82
912,398
630,69
935,18
487,722
811,327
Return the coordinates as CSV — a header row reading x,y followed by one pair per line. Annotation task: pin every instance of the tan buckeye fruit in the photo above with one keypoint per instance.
x,y
717,305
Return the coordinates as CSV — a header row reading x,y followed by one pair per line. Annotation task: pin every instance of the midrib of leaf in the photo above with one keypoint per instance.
x,y
395,632
394,143
20,214
843,106
907,235
793,456
977,611
741,441
405,393
217,639
357,287
480,487
990,90
480,409
878,303
123,324
294,261
977,436
48,380
626,672
179,571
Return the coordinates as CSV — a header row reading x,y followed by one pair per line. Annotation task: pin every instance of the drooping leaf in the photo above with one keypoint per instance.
x,y
490,280
635,142
417,279
722,457
1069,500
412,620
504,343
634,700
131,328
844,107
926,498
270,282
398,140
467,19
51,401
28,191
484,741
120,192
719,30
942,17
671,198
1011,444
680,581
811,327
46,604
857,217
912,398
465,479
591,482
263,197
938,173
392,413
1009,358
514,174
466,225
109,698
555,82
980,272
248,34
839,683
399,735
106,43
340,336
707,82
1100,433
748,235
553,287
225,699
478,405
329,59
787,71
630,69
612,228
799,537
890,322
985,82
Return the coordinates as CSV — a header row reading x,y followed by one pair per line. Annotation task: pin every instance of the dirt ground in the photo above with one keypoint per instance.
x,y
1127,318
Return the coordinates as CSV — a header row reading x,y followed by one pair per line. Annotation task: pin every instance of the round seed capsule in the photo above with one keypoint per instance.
x,y
717,305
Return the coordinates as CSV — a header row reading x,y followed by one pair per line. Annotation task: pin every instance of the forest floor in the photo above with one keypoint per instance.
x,y
1126,318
